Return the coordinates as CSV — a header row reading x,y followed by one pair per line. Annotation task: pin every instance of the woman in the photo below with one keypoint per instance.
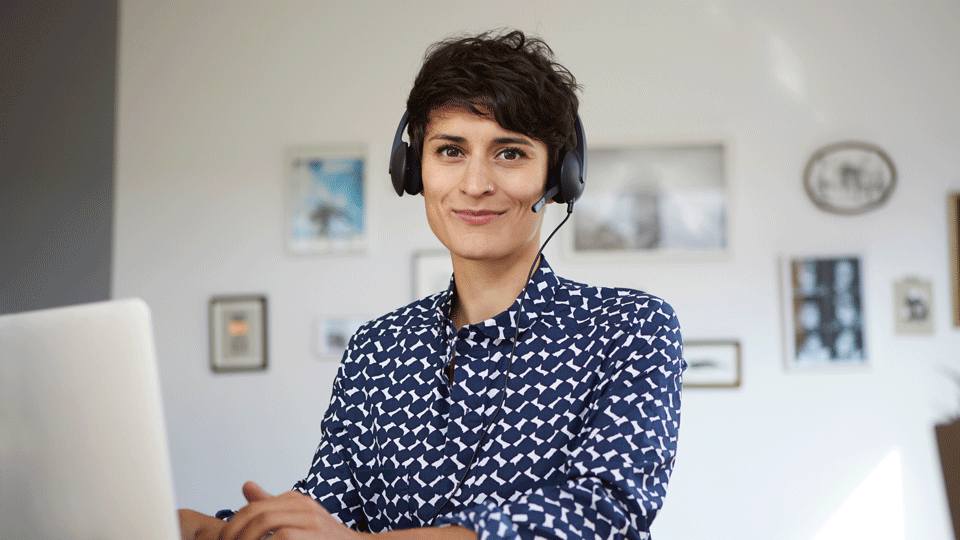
x,y
516,404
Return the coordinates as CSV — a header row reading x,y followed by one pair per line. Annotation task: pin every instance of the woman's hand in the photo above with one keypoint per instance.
x,y
290,516
197,526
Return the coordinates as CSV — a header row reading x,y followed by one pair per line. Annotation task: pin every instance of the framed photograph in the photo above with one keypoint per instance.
x,y
325,199
824,312
431,273
711,364
654,199
334,333
238,333
849,177
954,211
913,306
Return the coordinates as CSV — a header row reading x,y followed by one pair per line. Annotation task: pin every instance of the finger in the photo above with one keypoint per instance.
x,y
257,518
282,523
254,492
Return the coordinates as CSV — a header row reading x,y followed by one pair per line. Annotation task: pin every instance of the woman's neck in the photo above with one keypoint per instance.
x,y
486,288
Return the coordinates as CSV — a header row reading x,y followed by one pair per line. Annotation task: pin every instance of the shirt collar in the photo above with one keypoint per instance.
x,y
536,295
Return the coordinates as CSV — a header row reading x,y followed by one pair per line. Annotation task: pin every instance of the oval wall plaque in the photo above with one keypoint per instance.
x,y
849,177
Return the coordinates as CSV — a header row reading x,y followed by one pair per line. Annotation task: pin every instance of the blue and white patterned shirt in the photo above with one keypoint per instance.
x,y
583,446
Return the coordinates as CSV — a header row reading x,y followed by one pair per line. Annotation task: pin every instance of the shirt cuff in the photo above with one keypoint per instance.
x,y
487,520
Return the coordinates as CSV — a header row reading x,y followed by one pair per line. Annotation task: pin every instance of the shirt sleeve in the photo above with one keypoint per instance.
x,y
330,481
617,474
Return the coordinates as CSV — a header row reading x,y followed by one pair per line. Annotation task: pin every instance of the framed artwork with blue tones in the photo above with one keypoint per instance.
x,y
326,208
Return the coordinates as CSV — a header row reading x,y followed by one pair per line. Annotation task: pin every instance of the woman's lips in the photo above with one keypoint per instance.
x,y
477,217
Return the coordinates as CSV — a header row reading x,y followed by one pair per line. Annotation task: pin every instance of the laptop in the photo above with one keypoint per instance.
x,y
83,448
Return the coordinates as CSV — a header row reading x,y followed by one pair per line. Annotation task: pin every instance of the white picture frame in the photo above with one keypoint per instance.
x,y
238,333
431,272
823,312
913,306
325,199
712,364
654,200
333,334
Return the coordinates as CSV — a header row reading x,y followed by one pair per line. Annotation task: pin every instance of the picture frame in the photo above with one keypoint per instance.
x,y
953,211
333,335
712,364
431,272
325,199
662,200
849,177
913,306
238,333
823,312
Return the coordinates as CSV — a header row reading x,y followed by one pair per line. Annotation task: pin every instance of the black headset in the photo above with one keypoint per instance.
x,y
564,181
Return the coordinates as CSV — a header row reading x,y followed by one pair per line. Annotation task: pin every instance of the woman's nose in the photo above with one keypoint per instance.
x,y
477,178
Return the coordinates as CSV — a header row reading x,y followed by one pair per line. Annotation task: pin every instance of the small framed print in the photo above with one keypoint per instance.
x,y
913,304
334,333
431,273
325,199
711,364
823,312
238,333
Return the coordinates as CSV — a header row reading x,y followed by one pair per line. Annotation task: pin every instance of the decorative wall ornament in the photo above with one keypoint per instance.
x,y
849,177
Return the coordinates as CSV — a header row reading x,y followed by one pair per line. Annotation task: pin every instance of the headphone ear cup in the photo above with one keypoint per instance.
x,y
404,166
413,180
398,167
570,179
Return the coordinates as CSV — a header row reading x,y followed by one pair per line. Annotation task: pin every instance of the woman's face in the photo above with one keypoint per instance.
x,y
479,184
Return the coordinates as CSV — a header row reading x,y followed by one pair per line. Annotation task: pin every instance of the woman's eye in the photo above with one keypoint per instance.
x,y
512,153
448,151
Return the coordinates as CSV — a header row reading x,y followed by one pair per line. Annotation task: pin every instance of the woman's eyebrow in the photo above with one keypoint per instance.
x,y
512,140
451,138
498,140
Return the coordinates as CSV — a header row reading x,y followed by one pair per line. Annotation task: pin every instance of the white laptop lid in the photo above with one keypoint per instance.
x,y
83,448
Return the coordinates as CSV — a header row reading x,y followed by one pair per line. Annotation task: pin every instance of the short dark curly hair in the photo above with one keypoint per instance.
x,y
512,76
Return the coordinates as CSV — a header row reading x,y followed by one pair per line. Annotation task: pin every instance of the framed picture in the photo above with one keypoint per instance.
x,y
325,199
654,199
238,333
954,211
913,306
334,333
824,312
431,273
711,364
849,177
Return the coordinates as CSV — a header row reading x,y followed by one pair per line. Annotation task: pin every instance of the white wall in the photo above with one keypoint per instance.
x,y
210,94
